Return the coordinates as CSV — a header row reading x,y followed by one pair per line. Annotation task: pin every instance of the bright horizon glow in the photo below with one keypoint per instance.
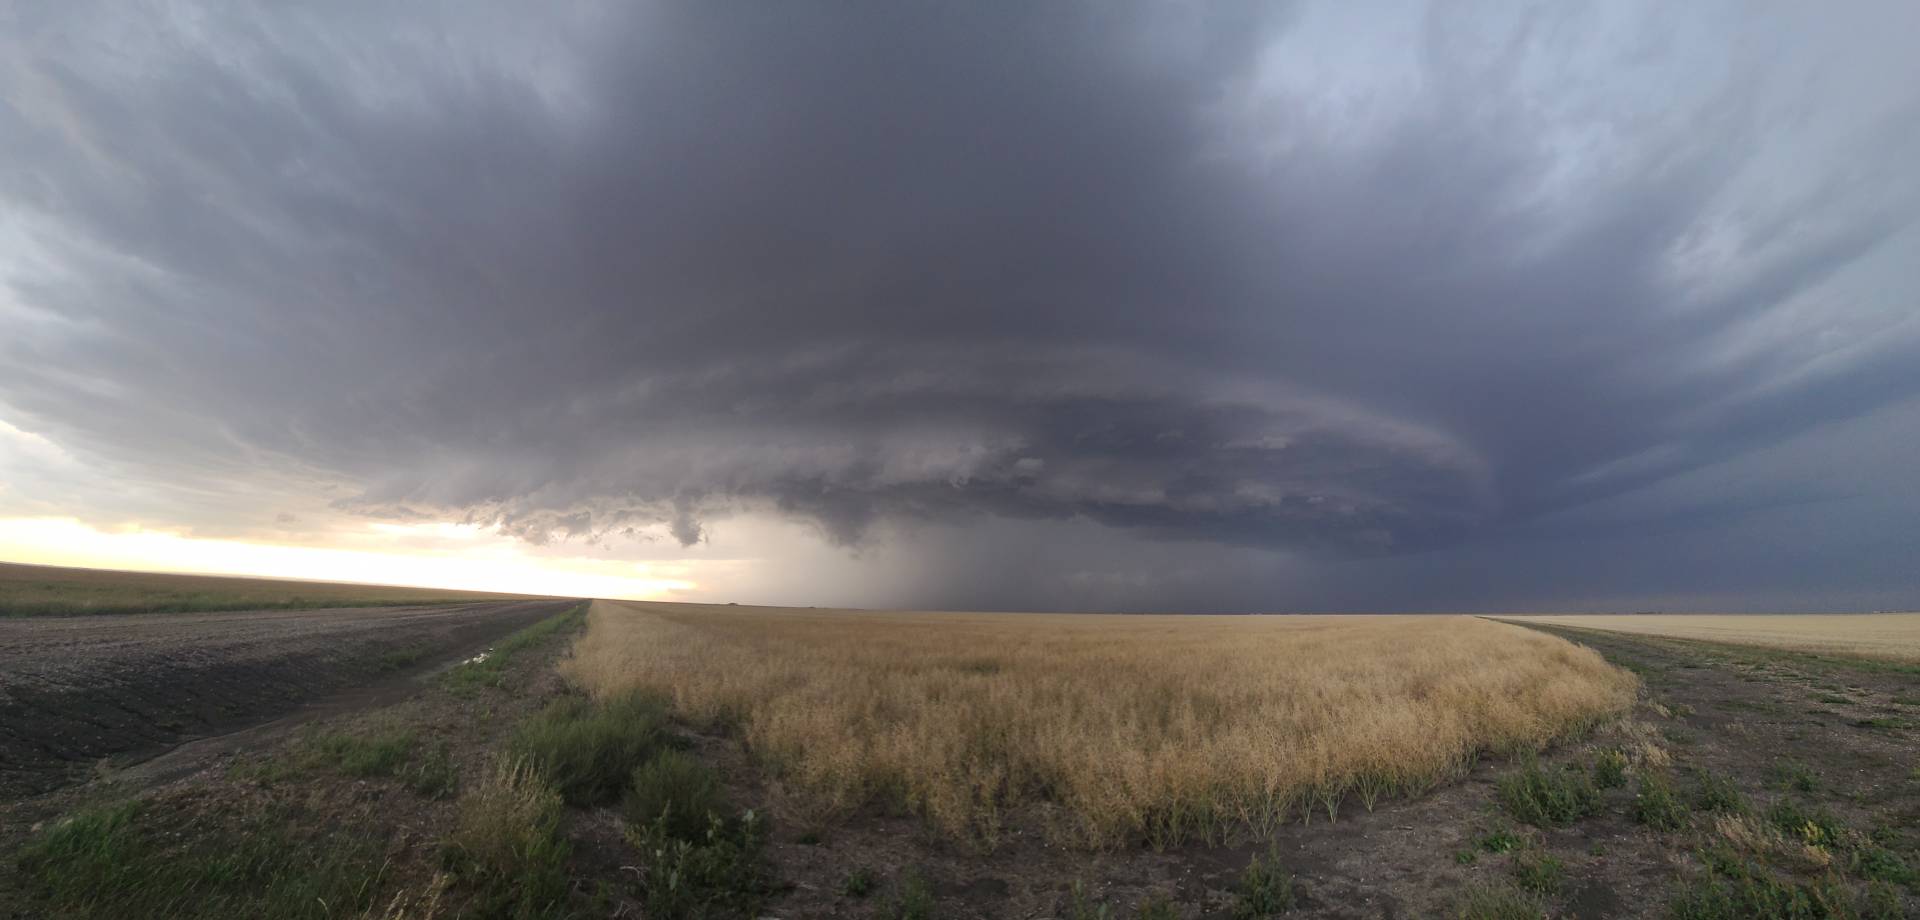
x,y
482,562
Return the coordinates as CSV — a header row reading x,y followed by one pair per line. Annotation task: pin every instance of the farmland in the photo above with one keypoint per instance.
x,y
1145,728
1887,636
669,760
39,590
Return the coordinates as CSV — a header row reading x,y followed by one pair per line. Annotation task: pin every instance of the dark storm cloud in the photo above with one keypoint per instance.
x,y
1128,265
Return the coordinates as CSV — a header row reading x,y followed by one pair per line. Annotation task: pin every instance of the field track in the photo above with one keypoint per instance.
x,y
76,689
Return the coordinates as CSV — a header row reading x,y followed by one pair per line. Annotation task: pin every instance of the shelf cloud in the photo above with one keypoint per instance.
x,y
1253,306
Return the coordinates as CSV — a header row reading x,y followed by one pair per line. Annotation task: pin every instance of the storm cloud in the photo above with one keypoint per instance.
x,y
1251,305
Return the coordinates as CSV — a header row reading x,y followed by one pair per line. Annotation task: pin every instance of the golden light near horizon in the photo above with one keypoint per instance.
x,y
480,560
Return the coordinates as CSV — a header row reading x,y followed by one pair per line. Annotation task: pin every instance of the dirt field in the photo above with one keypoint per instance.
x,y
44,590
1889,636
76,689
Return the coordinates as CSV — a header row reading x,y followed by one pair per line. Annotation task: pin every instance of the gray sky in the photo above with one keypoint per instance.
x,y
1062,305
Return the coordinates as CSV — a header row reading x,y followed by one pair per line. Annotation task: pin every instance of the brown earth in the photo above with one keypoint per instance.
x,y
74,690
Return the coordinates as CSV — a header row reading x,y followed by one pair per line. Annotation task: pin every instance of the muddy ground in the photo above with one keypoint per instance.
x,y
77,690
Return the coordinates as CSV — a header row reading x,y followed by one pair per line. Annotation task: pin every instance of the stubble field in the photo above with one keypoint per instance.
x,y
45,590
1109,729
1885,636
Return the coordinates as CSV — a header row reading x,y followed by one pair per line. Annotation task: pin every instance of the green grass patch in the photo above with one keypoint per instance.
x,y
1813,826
1879,864
1082,907
1794,776
913,900
858,882
1655,804
717,872
1610,770
506,849
1502,841
380,754
1717,792
1497,902
1265,889
674,790
399,659
127,860
1157,906
489,670
1549,798
432,775
1737,888
589,750
1538,872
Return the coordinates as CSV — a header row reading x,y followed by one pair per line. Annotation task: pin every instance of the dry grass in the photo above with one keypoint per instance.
x,y
1887,636
41,590
1116,728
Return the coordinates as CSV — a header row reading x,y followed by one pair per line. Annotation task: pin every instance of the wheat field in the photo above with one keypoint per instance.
x,y
1111,729
1888,636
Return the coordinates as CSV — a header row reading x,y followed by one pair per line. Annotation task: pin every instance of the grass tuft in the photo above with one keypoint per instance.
x,y
1610,770
1502,841
1266,888
1812,826
1157,906
1656,805
1538,872
433,775
858,883
674,791
1080,906
589,750
1795,776
1497,902
1717,792
1549,798
506,844
914,900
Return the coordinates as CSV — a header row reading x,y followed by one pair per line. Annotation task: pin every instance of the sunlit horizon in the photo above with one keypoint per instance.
x,y
483,561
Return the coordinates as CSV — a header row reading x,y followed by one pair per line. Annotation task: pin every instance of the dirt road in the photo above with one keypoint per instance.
x,y
74,690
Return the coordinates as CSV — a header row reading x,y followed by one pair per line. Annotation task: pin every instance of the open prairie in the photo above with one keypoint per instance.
x,y
680,761
1890,636
44,590
1132,729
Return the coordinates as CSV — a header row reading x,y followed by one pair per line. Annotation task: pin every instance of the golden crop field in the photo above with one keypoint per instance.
x,y
1118,728
1890,636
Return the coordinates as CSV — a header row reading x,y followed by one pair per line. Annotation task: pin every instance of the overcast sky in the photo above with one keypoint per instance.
x,y
1055,305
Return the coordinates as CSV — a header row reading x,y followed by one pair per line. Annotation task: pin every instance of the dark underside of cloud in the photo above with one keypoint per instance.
x,y
1107,264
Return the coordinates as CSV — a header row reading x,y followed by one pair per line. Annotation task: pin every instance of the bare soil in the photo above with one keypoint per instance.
x,y
75,690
